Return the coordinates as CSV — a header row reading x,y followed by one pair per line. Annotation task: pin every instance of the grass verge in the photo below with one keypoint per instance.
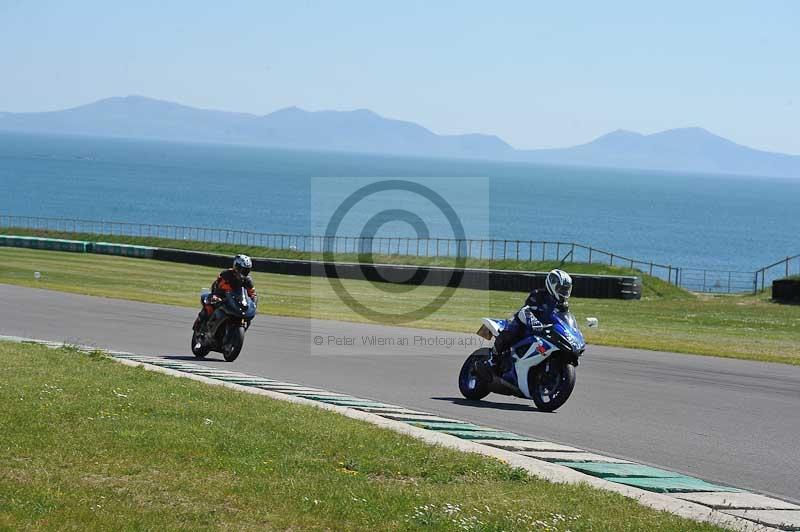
x,y
90,444
746,327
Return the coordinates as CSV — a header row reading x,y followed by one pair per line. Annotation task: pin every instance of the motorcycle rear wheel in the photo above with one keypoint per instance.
x,y
232,346
551,384
470,383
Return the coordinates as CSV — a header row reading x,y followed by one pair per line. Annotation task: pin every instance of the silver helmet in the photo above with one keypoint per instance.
x,y
242,265
559,284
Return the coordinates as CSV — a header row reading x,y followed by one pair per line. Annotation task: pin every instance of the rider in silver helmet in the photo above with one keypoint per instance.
x,y
539,303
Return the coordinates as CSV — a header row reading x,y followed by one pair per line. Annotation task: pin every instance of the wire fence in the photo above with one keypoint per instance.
x,y
716,281
700,280
777,270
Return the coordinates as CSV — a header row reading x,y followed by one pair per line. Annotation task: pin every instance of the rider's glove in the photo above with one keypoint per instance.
x,y
527,317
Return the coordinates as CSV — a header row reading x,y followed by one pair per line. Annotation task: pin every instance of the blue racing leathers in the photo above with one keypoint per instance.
x,y
527,320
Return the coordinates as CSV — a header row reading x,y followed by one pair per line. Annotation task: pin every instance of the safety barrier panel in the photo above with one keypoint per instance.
x,y
694,279
124,250
786,290
590,286
52,244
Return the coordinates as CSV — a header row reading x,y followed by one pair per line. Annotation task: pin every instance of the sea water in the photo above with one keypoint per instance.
x,y
690,220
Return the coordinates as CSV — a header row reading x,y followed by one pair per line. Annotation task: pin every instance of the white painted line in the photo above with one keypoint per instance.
x,y
301,389
380,410
572,456
781,519
737,501
514,445
420,417
280,384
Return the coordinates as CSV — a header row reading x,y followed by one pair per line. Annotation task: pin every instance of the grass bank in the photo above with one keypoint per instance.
x,y
89,444
747,327
651,286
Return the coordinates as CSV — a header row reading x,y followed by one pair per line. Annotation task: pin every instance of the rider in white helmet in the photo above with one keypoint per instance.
x,y
539,303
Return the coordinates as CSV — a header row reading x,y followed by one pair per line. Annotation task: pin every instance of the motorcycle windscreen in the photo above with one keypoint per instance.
x,y
565,325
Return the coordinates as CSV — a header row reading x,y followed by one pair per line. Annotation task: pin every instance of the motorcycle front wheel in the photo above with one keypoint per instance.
x,y
232,346
470,383
551,384
200,352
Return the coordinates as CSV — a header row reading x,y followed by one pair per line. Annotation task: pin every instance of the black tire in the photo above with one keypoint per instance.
x,y
234,341
551,389
470,383
198,353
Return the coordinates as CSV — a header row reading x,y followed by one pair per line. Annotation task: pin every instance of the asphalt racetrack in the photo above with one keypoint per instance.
x,y
727,421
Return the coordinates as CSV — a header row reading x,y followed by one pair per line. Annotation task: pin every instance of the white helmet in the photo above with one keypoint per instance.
x,y
559,284
242,265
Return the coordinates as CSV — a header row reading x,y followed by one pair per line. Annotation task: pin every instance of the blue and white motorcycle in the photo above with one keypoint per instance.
x,y
542,366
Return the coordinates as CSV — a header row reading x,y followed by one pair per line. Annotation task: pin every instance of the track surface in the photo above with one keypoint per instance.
x,y
728,421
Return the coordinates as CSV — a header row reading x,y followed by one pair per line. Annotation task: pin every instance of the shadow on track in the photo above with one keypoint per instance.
x,y
483,403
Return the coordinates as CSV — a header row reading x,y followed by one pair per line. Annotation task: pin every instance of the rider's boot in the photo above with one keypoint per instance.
x,y
496,361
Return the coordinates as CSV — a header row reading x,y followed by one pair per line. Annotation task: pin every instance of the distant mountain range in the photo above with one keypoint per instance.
x,y
682,150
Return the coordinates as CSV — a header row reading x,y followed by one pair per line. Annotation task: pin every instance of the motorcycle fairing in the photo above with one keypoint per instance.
x,y
537,348
495,326
538,351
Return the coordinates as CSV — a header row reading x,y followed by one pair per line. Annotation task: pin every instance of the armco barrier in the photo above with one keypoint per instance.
x,y
78,246
786,290
52,244
193,257
589,286
125,250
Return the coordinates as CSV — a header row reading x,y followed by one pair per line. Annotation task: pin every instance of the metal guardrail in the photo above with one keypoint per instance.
x,y
695,279
777,270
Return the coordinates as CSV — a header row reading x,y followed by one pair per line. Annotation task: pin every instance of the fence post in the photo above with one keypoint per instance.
x,y
611,260
572,253
530,250
590,254
787,266
704,280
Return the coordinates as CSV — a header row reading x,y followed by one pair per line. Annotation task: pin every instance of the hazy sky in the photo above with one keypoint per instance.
x,y
539,74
